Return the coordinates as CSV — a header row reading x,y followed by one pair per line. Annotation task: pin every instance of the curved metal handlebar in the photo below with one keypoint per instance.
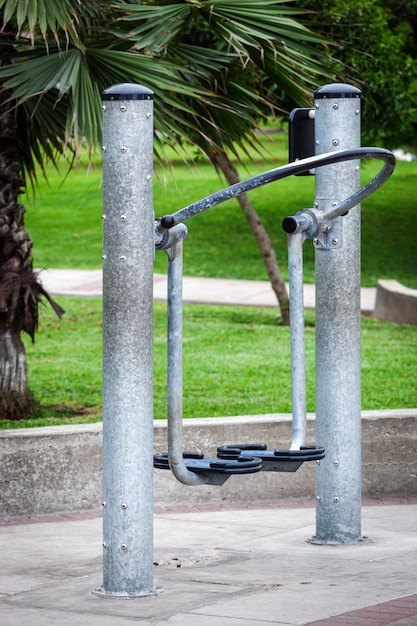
x,y
297,167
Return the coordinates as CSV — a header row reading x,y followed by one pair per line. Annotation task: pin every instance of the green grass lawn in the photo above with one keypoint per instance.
x,y
236,362
227,369
64,220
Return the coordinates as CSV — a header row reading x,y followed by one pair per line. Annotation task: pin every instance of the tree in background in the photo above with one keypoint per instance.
x,y
216,67
376,48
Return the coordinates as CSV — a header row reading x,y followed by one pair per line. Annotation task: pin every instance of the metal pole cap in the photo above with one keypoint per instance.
x,y
127,91
337,90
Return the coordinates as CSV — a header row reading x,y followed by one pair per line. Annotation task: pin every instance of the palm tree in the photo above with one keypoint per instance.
x,y
20,290
56,59
215,66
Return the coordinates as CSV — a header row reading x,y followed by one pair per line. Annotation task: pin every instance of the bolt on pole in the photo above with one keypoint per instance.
x,y
338,398
128,253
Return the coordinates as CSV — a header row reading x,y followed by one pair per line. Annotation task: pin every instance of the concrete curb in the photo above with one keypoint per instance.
x,y
395,303
59,468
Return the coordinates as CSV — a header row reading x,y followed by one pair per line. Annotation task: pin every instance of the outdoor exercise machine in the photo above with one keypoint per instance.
x,y
307,224
130,235
193,468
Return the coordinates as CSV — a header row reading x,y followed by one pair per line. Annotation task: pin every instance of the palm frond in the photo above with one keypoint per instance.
x,y
215,66
44,15
61,94
262,33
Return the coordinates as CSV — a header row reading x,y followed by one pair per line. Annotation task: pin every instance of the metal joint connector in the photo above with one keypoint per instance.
x,y
166,239
314,224
309,222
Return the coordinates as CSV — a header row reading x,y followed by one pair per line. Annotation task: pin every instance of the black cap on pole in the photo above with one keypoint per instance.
x,y
127,91
337,90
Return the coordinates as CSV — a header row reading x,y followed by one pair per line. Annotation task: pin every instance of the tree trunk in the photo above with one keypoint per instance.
x,y
221,161
20,290
16,399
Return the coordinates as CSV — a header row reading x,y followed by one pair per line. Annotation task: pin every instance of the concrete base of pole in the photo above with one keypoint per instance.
x,y
102,593
318,542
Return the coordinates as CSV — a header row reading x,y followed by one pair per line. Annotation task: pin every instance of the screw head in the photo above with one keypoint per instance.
x,y
123,149
123,108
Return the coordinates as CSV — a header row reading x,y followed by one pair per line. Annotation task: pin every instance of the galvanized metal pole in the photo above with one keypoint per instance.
x,y
128,253
338,399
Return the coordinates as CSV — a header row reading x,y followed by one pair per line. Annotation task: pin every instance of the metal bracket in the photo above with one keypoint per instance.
x,y
331,236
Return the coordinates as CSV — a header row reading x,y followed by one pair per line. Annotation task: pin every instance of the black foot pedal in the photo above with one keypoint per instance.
x,y
197,463
272,460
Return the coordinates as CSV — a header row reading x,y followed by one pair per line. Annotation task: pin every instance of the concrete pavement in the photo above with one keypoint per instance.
x,y
67,282
230,566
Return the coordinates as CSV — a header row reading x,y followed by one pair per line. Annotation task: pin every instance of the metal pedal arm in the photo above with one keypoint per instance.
x,y
175,432
298,366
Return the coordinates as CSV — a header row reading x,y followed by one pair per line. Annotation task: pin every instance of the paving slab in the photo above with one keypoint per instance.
x,y
196,290
253,566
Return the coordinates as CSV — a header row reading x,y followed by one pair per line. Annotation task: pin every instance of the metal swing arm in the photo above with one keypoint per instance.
x,y
188,468
172,242
175,411
312,223
298,361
